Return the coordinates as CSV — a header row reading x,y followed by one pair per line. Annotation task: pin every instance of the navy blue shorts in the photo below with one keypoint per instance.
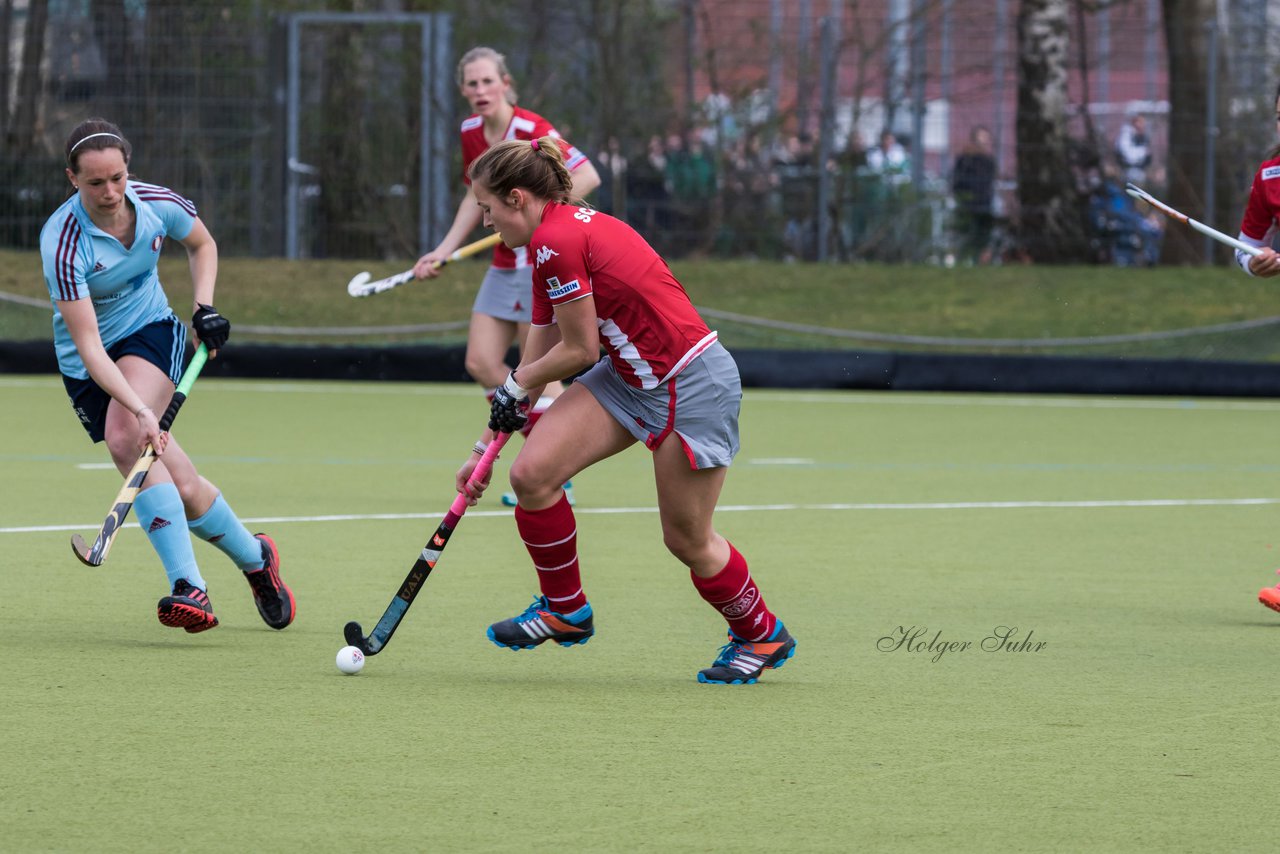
x,y
160,343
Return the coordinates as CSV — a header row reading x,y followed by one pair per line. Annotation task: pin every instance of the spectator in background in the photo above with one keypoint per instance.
x,y
647,202
973,183
889,157
612,196
797,168
1133,150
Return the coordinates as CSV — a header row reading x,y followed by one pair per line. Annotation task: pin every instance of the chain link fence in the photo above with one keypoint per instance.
x,y
767,128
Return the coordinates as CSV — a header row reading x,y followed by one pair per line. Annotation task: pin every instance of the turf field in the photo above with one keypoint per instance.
x,y
1120,541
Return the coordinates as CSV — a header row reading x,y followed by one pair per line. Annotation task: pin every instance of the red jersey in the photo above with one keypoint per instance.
x,y
524,125
1258,227
647,324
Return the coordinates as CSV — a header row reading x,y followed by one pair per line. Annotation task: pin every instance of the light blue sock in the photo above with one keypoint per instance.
x,y
161,515
221,527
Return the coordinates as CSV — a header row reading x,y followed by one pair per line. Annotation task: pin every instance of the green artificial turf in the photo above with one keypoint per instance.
x,y
1139,725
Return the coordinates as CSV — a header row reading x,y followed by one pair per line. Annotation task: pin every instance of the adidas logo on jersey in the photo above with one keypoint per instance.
x,y
156,524
545,254
99,267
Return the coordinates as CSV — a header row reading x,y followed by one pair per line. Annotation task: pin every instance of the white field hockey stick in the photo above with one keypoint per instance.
x,y
360,286
133,481
1139,193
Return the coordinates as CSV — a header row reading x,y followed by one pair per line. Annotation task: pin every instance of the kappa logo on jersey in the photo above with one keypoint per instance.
x,y
545,254
584,214
1271,172
556,290
156,242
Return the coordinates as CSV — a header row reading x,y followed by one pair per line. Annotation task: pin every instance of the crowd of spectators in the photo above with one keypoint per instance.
x,y
759,197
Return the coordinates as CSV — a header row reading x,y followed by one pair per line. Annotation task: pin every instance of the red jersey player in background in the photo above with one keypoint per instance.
x,y
665,381
1259,228
500,315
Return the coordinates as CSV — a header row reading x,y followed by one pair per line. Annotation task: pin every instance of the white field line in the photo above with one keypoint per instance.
x,y
835,397
734,508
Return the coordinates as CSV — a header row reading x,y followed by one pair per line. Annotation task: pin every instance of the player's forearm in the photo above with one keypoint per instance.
x,y
465,221
585,179
203,261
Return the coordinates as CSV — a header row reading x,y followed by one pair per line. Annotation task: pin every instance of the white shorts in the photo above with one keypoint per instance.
x,y
507,294
700,406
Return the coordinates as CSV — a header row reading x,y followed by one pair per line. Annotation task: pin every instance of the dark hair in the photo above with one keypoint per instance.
x,y
536,165
95,135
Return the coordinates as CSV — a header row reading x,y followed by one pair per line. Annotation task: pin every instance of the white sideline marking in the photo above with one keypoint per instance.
x,y
889,398
729,508
95,466
781,461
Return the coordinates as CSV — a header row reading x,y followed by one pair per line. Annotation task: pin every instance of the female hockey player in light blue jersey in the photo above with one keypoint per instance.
x,y
120,349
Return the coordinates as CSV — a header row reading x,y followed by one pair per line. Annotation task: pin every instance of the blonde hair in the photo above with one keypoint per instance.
x,y
499,61
536,165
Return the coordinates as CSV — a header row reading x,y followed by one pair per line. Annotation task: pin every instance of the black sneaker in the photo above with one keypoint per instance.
x,y
186,608
272,596
539,623
741,662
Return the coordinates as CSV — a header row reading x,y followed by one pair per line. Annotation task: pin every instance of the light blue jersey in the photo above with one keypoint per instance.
x,y
83,261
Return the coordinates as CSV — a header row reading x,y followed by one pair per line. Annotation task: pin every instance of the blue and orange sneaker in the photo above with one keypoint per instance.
x,y
539,623
187,607
741,662
273,597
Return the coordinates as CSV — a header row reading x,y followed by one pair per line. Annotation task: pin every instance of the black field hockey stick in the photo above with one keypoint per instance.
x,y
1139,193
133,481
422,567
360,286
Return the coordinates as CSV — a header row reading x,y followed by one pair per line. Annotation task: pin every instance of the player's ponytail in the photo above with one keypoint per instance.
x,y
535,165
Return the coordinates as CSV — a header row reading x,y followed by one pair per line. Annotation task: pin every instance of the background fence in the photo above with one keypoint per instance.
x,y
731,128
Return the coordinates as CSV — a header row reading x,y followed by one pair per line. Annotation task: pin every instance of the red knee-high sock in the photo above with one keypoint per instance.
x,y
551,536
734,594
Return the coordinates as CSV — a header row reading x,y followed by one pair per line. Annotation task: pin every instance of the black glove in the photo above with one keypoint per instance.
x,y
510,408
211,328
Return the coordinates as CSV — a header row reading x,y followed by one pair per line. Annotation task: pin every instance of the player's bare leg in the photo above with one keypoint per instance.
x,y
686,503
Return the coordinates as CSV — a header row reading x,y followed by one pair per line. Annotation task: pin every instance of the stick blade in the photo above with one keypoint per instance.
x,y
356,288
82,550
355,637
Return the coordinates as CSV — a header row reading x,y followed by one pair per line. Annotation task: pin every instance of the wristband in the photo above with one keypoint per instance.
x,y
480,448
141,409
514,388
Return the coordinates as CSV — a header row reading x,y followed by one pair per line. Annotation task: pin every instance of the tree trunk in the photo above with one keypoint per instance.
x,y
1052,224
109,28
1187,37
22,133
6,38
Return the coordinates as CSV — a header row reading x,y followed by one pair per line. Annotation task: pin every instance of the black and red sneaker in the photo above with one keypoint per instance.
x,y
186,608
272,596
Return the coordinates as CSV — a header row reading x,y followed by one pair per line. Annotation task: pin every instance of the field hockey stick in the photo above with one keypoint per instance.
x,y
360,286
1139,193
133,481
426,562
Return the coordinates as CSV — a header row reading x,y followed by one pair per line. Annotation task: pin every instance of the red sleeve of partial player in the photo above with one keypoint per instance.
x,y
1264,201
